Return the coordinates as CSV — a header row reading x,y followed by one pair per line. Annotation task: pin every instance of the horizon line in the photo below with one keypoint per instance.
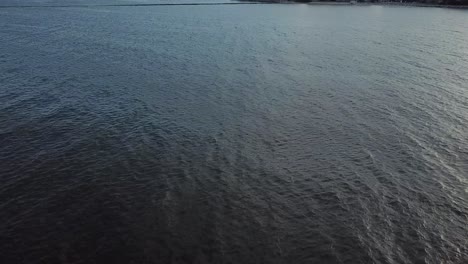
x,y
134,5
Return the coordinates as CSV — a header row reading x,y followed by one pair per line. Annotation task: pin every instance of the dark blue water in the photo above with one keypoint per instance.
x,y
233,134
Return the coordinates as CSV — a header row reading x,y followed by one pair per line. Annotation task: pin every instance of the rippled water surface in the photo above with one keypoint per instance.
x,y
233,134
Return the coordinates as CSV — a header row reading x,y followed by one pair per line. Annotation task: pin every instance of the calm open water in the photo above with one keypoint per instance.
x,y
233,134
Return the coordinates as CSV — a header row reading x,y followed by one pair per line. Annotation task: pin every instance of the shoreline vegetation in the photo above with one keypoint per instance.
x,y
420,3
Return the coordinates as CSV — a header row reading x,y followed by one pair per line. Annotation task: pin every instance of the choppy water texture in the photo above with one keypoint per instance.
x,y
234,134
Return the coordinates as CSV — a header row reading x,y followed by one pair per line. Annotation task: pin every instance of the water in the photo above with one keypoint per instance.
x,y
233,134
41,3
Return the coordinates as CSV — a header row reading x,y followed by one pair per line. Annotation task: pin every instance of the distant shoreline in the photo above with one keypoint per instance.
x,y
241,2
410,4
